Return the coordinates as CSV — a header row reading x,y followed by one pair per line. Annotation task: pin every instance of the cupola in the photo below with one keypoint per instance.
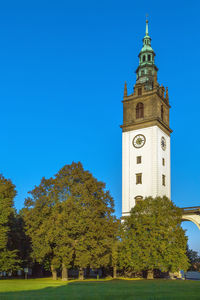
x,y
147,68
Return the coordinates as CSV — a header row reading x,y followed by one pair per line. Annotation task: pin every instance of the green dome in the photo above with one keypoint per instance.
x,y
146,48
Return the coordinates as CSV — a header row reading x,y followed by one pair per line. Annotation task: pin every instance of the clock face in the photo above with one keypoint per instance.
x,y
163,143
139,141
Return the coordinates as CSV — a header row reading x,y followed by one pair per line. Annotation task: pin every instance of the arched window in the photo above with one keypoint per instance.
x,y
149,57
162,112
138,199
143,58
139,110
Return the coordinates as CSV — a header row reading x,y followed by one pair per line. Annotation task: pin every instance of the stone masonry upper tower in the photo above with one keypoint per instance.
x,y
145,134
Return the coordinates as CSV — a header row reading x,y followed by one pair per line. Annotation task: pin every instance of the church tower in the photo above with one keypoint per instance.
x,y
145,134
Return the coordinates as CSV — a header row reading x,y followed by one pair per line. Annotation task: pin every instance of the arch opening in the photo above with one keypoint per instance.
x,y
192,218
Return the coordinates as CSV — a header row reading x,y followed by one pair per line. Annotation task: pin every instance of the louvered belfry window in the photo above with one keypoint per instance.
x,y
139,110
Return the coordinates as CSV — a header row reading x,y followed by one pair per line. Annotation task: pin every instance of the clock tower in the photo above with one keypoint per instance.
x,y
145,134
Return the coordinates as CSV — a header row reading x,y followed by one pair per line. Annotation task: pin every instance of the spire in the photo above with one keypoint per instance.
x,y
147,28
147,39
125,89
147,70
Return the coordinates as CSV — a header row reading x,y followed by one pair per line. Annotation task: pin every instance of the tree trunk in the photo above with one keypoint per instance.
x,y
88,272
150,274
54,272
64,273
97,271
114,272
103,272
81,273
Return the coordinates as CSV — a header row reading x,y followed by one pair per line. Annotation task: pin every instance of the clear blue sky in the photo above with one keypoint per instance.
x,y
62,70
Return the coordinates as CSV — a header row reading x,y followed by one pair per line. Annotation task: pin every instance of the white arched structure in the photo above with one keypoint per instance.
x,y
192,214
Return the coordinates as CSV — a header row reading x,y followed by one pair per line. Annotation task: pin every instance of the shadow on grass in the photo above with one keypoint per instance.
x,y
116,289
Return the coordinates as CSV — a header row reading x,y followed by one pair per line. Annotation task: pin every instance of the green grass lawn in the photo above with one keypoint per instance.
x,y
104,290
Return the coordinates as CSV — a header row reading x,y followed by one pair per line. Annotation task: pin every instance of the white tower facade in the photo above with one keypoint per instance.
x,y
145,135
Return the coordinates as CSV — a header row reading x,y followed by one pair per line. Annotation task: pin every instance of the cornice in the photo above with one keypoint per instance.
x,y
133,98
147,123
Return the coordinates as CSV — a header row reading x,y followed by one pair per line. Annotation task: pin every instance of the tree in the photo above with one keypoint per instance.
x,y
152,238
18,240
9,261
70,220
37,215
89,221
8,256
194,259
115,256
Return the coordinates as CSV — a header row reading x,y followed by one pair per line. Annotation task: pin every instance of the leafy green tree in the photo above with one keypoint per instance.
x,y
18,240
90,224
70,220
152,238
194,259
9,260
37,215
61,235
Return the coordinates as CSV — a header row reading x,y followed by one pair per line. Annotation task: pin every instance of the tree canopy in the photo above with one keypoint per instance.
x,y
8,256
152,238
194,259
70,220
